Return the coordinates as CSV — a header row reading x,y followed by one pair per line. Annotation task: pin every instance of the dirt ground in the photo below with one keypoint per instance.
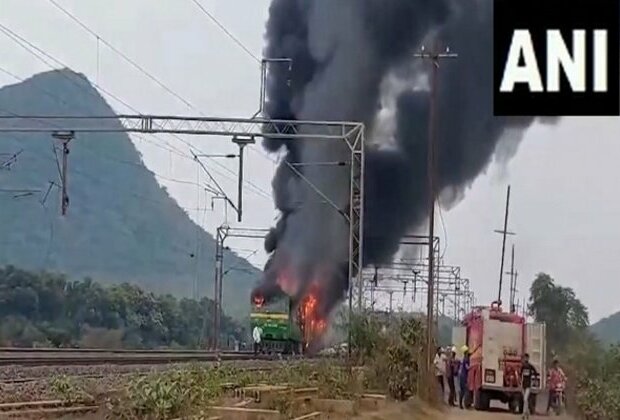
x,y
492,415
418,411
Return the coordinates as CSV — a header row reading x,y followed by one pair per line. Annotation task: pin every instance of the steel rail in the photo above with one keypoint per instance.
x,y
115,351
59,359
269,366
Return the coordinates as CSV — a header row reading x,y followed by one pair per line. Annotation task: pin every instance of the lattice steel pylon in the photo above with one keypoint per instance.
x,y
352,133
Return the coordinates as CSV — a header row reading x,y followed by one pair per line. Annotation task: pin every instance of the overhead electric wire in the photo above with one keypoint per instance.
x,y
21,41
226,31
170,148
122,55
445,231
244,260
102,180
141,197
217,185
155,79
29,48
98,153
241,45
294,170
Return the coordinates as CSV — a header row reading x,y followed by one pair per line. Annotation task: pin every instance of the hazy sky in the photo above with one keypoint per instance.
x,y
564,178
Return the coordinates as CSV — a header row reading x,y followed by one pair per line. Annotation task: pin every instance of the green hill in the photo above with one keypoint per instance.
x,y
122,225
608,329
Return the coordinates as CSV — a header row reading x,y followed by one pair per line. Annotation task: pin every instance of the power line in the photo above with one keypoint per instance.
x,y
99,38
140,197
445,232
26,44
244,48
29,47
10,160
170,147
226,31
99,154
218,187
16,38
122,55
178,247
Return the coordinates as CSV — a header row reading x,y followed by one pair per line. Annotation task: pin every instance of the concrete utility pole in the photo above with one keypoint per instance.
x,y
504,233
65,138
435,56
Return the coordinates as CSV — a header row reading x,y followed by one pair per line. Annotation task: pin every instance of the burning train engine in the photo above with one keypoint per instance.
x,y
300,311
279,323
287,327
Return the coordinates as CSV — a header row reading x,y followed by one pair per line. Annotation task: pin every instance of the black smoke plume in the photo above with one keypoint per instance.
x,y
354,60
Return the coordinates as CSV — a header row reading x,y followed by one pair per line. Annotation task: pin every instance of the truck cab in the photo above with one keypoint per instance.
x,y
497,342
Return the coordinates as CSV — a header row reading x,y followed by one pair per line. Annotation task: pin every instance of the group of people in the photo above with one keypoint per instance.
x,y
450,370
556,380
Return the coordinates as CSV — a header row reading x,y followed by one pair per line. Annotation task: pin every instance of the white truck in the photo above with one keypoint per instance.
x,y
497,342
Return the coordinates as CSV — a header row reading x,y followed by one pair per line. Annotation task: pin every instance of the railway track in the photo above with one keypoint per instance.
x,y
90,357
43,350
25,380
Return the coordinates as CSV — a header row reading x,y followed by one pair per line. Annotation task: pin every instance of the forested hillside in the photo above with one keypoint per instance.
x,y
122,225
608,329
49,310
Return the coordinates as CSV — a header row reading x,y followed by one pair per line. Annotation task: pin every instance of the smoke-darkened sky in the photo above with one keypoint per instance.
x,y
344,55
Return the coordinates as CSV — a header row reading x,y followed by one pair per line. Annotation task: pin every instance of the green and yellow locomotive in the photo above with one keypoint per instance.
x,y
280,324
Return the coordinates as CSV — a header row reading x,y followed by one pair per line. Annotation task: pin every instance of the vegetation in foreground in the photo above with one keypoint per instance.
x,y
391,354
391,358
48,310
191,390
593,368
391,351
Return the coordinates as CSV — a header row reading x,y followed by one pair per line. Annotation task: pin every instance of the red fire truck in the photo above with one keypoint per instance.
x,y
497,341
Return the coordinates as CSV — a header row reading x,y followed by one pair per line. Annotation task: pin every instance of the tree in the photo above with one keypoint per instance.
x,y
566,317
593,370
47,309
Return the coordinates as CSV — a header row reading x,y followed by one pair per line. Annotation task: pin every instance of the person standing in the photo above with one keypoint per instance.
x,y
440,370
256,336
528,371
451,373
463,375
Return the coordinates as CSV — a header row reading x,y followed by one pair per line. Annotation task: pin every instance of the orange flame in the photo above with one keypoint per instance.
x,y
313,325
259,301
